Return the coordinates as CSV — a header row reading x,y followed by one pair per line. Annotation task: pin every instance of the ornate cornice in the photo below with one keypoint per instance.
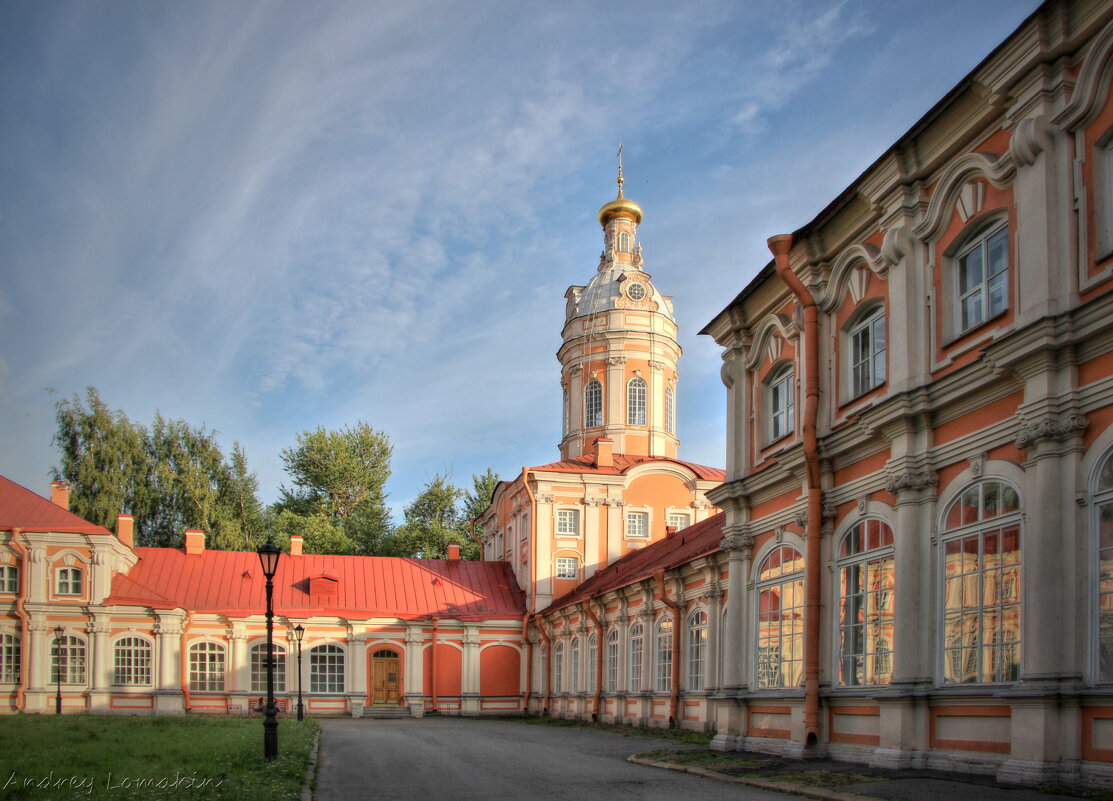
x,y
737,542
1051,428
615,361
911,480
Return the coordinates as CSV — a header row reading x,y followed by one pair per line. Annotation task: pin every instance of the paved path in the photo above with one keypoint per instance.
x,y
467,759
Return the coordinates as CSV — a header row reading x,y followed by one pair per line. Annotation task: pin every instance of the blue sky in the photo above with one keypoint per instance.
x,y
265,217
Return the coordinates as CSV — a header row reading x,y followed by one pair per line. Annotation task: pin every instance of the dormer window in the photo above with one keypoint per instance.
x,y
68,581
324,584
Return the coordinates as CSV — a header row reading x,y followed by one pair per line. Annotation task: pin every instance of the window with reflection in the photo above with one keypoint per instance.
x,y
10,658
326,669
558,667
206,667
637,647
670,409
865,565
780,619
983,277
635,402
592,661
1103,503
612,661
9,579
981,593
574,667
593,404
779,404
132,662
697,649
259,668
867,353
663,662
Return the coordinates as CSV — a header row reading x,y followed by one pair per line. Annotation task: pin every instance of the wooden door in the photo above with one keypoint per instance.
x,y
385,678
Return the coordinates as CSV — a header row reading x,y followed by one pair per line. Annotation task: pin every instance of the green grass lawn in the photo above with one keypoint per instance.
x,y
47,758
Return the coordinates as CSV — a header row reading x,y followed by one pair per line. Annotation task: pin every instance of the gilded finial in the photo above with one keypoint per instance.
x,y
620,169
620,206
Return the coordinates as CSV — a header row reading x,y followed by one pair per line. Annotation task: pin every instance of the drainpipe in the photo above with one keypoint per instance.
x,y
529,662
780,246
548,664
674,682
183,655
21,610
599,648
433,666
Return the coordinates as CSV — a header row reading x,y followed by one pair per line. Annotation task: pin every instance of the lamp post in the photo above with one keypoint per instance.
x,y
58,632
299,632
268,558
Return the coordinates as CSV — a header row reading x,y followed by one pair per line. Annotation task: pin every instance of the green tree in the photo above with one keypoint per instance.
x,y
338,479
171,476
432,520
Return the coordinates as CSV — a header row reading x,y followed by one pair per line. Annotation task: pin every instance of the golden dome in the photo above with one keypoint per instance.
x,y
620,207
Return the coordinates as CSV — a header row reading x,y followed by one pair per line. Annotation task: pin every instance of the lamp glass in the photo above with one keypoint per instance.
x,y
268,558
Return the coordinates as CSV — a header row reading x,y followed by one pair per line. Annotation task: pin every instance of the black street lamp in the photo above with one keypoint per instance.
x,y
268,558
58,632
299,632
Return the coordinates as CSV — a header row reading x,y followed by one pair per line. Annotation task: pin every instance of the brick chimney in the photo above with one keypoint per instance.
x,y
60,494
454,551
125,529
296,542
670,530
604,452
194,541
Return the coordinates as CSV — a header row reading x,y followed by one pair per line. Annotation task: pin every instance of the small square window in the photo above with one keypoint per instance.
x,y
68,581
568,523
679,520
9,579
567,567
637,525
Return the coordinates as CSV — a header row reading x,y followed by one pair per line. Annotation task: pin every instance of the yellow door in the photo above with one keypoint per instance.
x,y
385,678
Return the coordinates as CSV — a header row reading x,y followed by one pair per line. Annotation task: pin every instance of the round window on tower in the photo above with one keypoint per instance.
x,y
636,291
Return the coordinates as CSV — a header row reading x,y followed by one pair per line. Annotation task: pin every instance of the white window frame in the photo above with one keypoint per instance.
x,y
637,525
870,604
770,649
11,657
637,404
670,409
867,362
69,581
132,662
662,661
982,291
327,666
679,520
208,662
566,413
9,579
973,617
574,665
257,660
558,668
73,666
624,241
567,522
780,416
697,650
613,651
566,567
1102,497
591,654
637,657
593,404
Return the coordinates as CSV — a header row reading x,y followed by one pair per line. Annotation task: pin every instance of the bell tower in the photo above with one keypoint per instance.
x,y
619,353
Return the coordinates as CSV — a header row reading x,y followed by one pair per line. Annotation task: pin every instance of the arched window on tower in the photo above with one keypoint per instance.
x,y
670,410
635,402
624,242
565,415
593,404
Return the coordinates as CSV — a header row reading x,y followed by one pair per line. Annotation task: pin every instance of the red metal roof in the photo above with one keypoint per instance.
x,y
682,547
22,508
231,582
624,463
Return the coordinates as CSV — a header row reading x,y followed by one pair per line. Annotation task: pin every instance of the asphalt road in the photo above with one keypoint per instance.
x,y
468,759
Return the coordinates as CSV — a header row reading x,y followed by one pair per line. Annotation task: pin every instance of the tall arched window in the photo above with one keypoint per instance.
x,y
612,661
670,410
67,659
558,667
635,402
780,619
326,669
637,648
981,593
542,667
206,667
566,412
624,242
10,659
574,658
259,668
697,649
780,404
1103,509
592,661
865,563
593,404
132,662
663,662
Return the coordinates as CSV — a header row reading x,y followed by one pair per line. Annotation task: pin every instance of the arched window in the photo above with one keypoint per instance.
x,y
612,661
982,270
780,618
624,242
670,411
259,668
866,338
1103,507
635,402
865,563
131,658
780,404
326,669
566,422
9,579
206,667
574,658
10,658
981,594
558,668
663,662
592,661
68,581
593,404
637,647
542,667
67,658
697,649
